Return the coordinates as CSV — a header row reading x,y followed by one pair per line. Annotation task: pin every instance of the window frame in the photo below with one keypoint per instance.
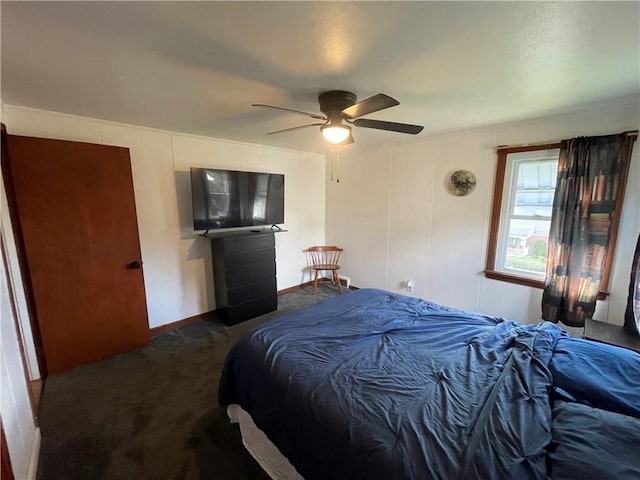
x,y
494,227
496,215
509,205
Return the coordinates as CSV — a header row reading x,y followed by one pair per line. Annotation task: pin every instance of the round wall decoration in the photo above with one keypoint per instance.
x,y
462,182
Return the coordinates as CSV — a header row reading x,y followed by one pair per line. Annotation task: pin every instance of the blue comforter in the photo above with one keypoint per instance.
x,y
378,385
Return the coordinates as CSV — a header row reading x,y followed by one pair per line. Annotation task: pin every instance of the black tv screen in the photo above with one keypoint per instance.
x,y
229,198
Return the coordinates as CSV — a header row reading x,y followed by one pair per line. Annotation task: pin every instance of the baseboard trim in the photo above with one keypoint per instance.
x,y
34,454
294,288
181,323
212,314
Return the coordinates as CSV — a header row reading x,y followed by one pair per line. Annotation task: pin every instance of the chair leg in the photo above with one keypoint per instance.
x,y
337,279
315,282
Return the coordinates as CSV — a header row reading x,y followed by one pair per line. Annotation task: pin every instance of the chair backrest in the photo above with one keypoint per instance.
x,y
325,255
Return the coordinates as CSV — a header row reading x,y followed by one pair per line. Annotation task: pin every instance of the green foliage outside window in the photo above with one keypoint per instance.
x,y
539,249
528,264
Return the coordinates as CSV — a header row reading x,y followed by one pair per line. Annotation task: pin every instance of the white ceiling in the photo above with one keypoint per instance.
x,y
196,67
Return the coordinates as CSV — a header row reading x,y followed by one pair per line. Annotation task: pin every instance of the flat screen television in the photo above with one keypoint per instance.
x,y
229,198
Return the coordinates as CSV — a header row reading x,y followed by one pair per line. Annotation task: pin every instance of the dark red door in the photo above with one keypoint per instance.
x,y
76,210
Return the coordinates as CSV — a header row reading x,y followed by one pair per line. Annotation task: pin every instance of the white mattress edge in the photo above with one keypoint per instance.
x,y
276,465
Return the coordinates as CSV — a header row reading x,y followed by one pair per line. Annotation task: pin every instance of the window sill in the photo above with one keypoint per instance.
x,y
505,277
529,282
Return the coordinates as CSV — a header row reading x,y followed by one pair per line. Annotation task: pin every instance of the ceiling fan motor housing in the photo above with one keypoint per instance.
x,y
333,102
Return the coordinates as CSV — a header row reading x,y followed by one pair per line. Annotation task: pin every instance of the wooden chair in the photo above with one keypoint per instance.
x,y
325,258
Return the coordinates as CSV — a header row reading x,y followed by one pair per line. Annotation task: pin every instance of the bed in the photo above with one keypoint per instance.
x,y
374,384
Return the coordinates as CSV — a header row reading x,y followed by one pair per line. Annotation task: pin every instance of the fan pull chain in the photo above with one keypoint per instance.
x,y
336,158
337,163
332,167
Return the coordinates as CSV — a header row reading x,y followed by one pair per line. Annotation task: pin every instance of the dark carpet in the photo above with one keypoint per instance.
x,y
153,413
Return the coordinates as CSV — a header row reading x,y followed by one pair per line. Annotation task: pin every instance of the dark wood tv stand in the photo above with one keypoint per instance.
x,y
244,273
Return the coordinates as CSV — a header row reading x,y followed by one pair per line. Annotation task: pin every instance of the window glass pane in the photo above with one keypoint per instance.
x,y
535,186
529,173
526,248
547,174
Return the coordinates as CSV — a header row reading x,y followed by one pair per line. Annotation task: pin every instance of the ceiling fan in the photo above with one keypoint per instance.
x,y
341,110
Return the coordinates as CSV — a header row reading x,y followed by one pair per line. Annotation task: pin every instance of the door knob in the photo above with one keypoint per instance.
x,y
134,265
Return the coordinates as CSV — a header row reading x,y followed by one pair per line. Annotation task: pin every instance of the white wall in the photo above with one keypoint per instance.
x,y
177,263
396,221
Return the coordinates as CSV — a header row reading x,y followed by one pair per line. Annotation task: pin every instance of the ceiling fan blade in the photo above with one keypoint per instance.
x,y
296,128
372,104
391,126
312,115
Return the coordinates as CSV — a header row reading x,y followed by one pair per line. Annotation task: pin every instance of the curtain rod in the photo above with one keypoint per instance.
x,y
630,133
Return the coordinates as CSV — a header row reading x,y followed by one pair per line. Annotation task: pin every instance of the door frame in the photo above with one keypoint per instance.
x,y
21,344
22,260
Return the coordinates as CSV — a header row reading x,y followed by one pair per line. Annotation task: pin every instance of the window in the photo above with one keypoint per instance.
x,y
521,217
526,213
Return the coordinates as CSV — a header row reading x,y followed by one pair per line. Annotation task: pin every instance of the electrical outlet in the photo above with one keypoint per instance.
x,y
409,284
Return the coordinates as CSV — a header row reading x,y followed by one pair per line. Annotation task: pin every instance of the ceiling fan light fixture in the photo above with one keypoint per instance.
x,y
335,133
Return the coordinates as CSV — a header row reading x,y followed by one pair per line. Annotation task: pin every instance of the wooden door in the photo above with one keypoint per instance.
x,y
76,209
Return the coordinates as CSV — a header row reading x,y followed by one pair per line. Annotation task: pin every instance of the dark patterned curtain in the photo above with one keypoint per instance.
x,y
591,171
632,315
